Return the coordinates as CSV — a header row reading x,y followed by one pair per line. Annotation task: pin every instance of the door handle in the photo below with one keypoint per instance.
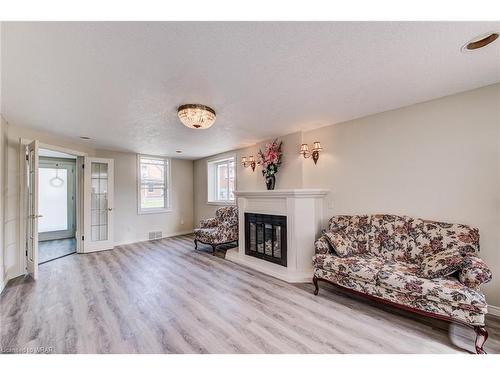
x,y
110,209
35,216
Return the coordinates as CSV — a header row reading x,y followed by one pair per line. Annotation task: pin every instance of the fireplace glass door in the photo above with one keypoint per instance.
x,y
265,237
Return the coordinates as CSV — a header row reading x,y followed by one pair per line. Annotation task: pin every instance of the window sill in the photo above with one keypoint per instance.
x,y
149,212
220,203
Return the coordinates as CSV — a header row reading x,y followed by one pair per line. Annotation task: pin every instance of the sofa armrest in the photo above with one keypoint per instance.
x,y
474,273
322,246
209,223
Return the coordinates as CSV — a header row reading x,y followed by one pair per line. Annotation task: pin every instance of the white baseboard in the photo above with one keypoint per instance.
x,y
181,233
494,310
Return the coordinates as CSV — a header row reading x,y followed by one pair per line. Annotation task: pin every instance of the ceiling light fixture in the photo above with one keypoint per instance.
x,y
196,116
480,42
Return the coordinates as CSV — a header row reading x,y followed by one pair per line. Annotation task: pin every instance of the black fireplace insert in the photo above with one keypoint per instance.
x,y
265,237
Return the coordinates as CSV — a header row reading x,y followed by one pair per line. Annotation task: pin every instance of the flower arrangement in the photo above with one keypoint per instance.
x,y
270,160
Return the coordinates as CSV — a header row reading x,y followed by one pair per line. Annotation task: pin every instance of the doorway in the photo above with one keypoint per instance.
x,y
57,205
77,202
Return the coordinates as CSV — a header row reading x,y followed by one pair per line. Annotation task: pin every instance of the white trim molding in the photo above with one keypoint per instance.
x,y
167,191
211,179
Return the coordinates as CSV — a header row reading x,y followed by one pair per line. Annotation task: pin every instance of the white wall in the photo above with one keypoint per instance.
x,y
129,226
436,160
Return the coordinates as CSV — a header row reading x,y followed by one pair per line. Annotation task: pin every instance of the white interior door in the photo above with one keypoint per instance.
x,y
98,204
32,210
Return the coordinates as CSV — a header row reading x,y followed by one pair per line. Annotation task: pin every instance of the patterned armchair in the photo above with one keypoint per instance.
x,y
221,229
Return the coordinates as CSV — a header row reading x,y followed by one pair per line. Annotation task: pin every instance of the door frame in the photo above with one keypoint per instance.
x,y
80,155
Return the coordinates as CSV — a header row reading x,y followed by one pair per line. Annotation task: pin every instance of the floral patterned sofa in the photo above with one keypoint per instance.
x,y
221,229
427,267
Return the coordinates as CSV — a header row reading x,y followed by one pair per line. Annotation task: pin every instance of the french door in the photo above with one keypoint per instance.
x,y
98,204
32,209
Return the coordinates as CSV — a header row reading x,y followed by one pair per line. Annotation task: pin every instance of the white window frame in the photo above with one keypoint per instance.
x,y
168,190
212,180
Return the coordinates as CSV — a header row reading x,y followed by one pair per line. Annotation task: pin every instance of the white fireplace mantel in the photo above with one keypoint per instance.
x,y
304,211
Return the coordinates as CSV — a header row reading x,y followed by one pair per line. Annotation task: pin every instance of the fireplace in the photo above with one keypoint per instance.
x,y
265,237
289,221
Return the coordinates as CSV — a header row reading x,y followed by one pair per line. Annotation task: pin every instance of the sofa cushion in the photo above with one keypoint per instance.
x,y
391,238
362,267
443,290
438,236
442,264
340,243
474,272
356,229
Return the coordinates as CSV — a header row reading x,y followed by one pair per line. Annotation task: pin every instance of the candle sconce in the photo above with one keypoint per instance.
x,y
304,151
250,162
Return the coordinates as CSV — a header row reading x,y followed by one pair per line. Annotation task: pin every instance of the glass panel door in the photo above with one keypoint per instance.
x,y
98,204
31,209
99,200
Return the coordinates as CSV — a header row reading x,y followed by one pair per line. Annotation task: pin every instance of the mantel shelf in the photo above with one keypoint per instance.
x,y
282,193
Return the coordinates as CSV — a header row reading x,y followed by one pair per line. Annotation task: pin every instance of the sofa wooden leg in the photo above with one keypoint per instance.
x,y
195,244
481,337
316,287
213,249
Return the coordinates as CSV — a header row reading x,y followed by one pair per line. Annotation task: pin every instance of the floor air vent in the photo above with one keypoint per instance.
x,y
155,235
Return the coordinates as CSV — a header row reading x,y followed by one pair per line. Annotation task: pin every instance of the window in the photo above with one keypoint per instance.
x,y
221,180
153,184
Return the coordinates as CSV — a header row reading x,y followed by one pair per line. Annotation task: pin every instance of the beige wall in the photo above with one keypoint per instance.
x,y
436,160
129,226
289,175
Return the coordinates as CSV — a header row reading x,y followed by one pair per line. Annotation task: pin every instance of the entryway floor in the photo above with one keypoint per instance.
x,y
53,249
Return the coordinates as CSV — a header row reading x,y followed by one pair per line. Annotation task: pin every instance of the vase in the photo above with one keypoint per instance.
x,y
270,182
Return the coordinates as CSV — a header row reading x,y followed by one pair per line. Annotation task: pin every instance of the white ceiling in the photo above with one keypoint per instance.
x,y
121,82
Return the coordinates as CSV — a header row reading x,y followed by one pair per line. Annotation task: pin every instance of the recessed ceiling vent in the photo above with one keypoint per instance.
x,y
480,42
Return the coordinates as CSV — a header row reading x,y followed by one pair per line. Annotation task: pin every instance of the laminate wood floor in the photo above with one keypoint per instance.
x,y
165,297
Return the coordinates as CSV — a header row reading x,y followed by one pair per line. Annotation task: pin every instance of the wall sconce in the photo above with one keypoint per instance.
x,y
304,151
248,163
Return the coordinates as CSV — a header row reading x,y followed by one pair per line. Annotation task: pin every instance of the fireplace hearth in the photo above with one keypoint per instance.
x,y
266,238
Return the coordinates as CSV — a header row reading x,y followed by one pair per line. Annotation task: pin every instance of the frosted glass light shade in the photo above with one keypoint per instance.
x,y
196,116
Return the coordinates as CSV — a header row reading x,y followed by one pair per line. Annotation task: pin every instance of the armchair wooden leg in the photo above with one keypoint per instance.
x,y
195,244
481,337
316,287
213,249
